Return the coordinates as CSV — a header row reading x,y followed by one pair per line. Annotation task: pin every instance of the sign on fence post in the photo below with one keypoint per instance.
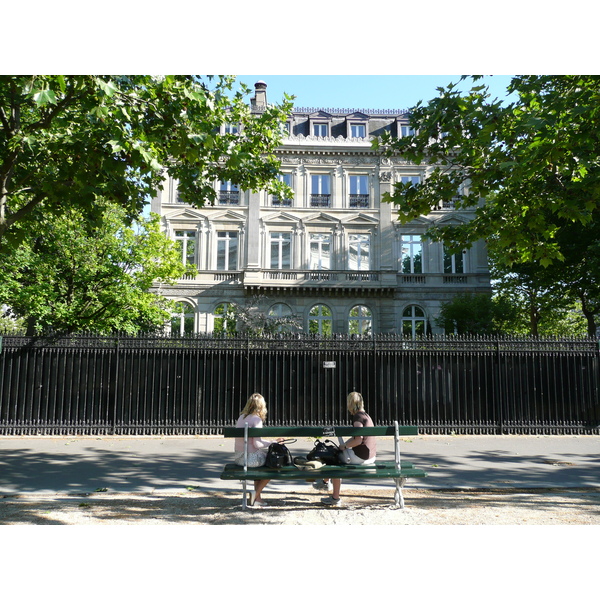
x,y
329,364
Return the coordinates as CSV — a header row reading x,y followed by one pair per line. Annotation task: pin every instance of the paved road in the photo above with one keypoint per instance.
x,y
31,465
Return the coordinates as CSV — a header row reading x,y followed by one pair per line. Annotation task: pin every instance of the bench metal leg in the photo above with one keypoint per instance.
x,y
398,497
245,496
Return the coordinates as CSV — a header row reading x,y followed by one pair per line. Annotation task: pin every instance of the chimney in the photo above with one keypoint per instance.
x,y
260,95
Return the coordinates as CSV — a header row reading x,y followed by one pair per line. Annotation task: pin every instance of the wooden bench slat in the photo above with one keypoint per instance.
x,y
333,431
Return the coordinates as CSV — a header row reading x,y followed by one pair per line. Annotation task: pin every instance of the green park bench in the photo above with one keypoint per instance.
x,y
397,470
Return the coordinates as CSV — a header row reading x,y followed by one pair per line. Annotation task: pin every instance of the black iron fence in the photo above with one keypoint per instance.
x,y
196,385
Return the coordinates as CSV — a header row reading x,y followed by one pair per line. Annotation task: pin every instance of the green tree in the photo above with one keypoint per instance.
x,y
529,167
71,275
474,314
580,271
68,141
254,319
542,300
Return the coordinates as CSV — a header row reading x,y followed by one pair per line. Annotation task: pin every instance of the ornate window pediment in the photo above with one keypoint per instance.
x,y
321,218
281,217
360,219
228,215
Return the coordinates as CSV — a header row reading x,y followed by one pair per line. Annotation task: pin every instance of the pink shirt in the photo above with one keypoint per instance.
x,y
254,443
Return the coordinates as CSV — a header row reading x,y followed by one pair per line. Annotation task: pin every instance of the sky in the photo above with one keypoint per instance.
x,y
365,91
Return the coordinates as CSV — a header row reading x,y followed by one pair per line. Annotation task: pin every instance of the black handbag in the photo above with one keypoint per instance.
x,y
278,455
327,452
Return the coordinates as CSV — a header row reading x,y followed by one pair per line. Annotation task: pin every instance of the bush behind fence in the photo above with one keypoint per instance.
x,y
154,385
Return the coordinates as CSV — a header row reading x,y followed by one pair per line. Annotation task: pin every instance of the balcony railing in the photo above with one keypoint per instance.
x,y
359,200
213,277
229,197
320,200
442,279
320,278
281,201
323,279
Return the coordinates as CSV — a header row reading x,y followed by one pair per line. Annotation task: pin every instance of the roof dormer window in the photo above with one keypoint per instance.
x,y
356,125
320,129
320,124
358,130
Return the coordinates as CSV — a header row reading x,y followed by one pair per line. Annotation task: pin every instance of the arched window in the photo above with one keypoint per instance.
x,y
279,312
413,321
360,320
182,320
224,319
320,320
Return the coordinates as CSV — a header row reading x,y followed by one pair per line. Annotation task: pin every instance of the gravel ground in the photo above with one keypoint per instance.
x,y
360,507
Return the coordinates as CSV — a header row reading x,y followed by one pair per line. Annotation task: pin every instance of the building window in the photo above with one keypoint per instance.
x,y
411,254
320,252
359,250
227,250
281,250
360,320
359,191
413,322
320,320
287,179
224,322
320,191
185,241
229,193
454,263
358,130
182,320
231,128
320,129
406,130
411,179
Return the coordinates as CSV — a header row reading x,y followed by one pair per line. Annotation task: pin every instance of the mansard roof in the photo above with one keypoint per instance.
x,y
357,115
321,114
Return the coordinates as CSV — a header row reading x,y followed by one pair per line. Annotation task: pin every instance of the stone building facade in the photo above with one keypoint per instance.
x,y
333,254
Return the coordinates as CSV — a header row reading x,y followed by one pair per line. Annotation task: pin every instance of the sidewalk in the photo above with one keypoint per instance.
x,y
78,465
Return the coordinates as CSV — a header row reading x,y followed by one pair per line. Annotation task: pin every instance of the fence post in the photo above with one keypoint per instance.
x,y
500,400
116,394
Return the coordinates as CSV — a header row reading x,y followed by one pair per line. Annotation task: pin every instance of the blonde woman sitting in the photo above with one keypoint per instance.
x,y
358,450
254,413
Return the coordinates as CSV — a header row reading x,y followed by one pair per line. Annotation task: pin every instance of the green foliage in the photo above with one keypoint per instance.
x,y
72,275
474,314
68,141
79,158
534,162
225,320
9,324
530,169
